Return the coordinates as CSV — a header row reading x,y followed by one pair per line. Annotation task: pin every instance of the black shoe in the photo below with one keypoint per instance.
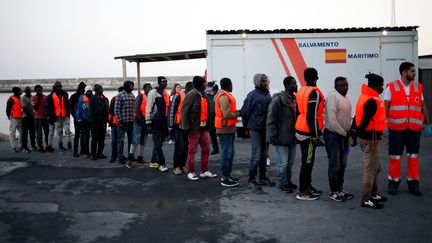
x,y
265,181
112,160
25,150
378,198
229,183
61,148
315,191
214,152
40,150
50,149
286,188
292,185
371,204
393,187
93,157
254,185
101,156
16,150
75,154
234,179
414,188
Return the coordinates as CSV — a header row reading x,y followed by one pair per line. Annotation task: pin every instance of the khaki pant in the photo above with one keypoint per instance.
x,y
15,125
372,167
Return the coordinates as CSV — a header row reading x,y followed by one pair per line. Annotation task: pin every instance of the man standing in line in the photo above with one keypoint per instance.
x,y
157,122
139,128
98,110
369,123
14,114
310,122
211,94
195,116
336,136
406,112
83,117
124,111
38,102
281,118
28,125
73,107
254,115
226,114
112,119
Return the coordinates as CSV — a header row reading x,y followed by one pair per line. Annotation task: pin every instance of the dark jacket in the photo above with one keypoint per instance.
x,y
191,111
156,109
281,119
98,110
172,111
254,110
50,113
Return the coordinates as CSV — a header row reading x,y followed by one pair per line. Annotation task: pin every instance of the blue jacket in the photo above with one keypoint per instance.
x,y
254,110
82,109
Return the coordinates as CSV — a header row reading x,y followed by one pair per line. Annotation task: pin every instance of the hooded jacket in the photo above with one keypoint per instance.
x,y
75,97
281,118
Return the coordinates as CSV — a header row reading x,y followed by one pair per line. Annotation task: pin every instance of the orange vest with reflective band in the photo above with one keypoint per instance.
x,y
167,101
405,114
204,110
378,121
177,116
302,99
59,106
16,111
220,121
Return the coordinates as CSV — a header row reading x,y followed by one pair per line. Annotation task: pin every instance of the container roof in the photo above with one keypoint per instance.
x,y
168,56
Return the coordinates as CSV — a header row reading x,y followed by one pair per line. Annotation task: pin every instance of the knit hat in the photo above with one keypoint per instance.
x,y
57,83
374,80
87,88
198,81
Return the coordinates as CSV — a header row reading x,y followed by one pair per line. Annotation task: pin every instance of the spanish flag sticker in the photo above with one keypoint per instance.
x,y
335,56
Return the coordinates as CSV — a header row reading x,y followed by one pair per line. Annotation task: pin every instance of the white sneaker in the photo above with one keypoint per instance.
x,y
192,176
207,174
163,168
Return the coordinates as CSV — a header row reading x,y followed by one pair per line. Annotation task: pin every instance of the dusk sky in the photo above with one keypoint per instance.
x,y
79,38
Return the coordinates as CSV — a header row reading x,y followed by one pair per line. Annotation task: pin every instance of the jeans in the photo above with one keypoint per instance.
x,y
113,141
158,140
63,123
307,148
285,161
258,159
180,147
15,125
78,134
85,128
41,126
121,132
28,128
203,139
98,139
139,139
213,136
227,153
337,152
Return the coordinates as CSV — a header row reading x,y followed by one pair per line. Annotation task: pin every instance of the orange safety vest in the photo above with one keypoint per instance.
x,y
59,106
167,101
143,104
177,116
204,110
378,121
302,99
112,118
220,121
16,111
405,114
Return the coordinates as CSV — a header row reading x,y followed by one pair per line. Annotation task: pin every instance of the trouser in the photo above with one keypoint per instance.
x,y
180,148
15,125
78,134
213,136
85,129
398,140
202,137
63,124
158,140
139,140
98,139
51,131
126,128
41,126
307,148
285,162
258,160
227,153
337,147
28,128
113,141
372,167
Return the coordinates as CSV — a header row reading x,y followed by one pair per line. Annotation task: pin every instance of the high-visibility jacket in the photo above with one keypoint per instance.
x,y
220,121
16,111
378,121
405,114
177,116
167,101
302,98
59,105
204,110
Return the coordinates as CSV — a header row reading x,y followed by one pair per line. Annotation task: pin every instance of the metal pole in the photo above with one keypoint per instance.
x,y
124,70
139,77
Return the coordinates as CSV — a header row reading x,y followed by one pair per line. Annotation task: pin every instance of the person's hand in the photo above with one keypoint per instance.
x,y
427,131
273,140
353,141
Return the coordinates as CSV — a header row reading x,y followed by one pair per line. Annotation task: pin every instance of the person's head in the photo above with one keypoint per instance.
x,y
176,88
98,89
81,87
162,82
341,85
128,86
27,91
226,84
120,89
189,86
57,87
261,81
38,89
147,87
199,83
290,85
16,91
375,82
88,91
311,76
407,71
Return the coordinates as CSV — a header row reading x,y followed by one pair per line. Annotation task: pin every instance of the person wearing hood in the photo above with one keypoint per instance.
x,y
28,127
281,118
38,102
254,117
98,110
73,107
14,114
83,117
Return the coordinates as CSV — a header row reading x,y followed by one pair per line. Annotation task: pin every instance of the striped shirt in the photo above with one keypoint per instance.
x,y
125,107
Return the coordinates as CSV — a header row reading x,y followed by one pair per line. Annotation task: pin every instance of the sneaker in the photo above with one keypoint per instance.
x,y
141,160
154,165
129,164
184,170
25,150
234,179
50,149
207,174
101,156
337,196
378,198
268,161
346,195
163,168
192,176
371,204
306,196
315,191
286,188
393,187
177,171
227,182
292,185
254,185
16,150
265,181
414,188
40,150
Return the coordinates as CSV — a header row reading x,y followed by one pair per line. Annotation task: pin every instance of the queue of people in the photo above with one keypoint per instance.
x,y
194,117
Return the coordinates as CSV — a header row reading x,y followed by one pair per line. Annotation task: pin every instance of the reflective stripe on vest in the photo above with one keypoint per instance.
x,y
378,121
16,111
220,121
59,106
302,99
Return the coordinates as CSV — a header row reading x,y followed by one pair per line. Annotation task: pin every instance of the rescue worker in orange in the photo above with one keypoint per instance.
x,y
368,125
140,134
309,125
58,117
406,113
14,114
112,120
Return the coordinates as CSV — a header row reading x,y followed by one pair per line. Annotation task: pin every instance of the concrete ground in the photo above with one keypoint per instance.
x,y
59,198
